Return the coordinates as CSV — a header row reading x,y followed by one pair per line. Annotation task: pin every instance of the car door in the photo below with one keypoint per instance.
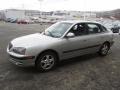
x,y
77,45
96,36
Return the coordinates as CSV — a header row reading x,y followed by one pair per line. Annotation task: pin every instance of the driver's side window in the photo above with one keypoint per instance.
x,y
79,29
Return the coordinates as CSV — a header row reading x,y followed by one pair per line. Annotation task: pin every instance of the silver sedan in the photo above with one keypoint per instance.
x,y
62,40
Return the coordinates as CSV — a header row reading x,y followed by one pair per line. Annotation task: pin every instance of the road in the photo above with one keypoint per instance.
x,y
89,72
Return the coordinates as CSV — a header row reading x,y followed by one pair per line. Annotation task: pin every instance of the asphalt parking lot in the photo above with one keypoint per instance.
x,y
89,72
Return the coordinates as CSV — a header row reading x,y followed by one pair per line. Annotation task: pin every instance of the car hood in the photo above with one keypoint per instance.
x,y
36,39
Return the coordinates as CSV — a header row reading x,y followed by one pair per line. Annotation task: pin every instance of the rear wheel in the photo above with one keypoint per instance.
x,y
46,61
104,49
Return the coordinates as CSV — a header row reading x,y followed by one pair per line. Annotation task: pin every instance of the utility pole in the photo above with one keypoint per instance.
x,y
84,10
40,1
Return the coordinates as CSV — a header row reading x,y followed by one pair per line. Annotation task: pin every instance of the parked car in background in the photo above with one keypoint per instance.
x,y
30,21
25,21
62,40
22,21
8,19
37,20
13,21
116,29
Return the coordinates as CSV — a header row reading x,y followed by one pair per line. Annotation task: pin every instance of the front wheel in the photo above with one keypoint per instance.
x,y
104,49
46,61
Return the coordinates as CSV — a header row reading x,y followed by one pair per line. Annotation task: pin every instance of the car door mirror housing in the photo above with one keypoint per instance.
x,y
70,35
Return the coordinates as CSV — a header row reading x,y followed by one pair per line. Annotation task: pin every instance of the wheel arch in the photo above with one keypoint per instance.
x,y
107,43
48,50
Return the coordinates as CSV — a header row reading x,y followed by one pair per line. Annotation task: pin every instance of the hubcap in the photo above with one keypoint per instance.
x,y
105,49
47,62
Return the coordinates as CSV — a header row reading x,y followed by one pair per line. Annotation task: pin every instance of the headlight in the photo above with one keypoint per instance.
x,y
19,50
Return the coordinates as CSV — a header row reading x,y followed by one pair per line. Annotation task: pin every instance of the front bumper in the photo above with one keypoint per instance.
x,y
21,60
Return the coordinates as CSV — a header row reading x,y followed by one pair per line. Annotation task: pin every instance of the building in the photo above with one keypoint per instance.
x,y
32,13
53,15
14,14
0,15
90,15
82,15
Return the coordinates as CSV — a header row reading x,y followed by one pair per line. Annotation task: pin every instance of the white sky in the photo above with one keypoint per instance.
x,y
50,5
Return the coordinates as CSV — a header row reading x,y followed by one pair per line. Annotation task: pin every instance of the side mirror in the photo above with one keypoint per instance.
x,y
70,35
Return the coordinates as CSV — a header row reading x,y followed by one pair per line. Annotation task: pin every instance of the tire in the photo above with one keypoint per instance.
x,y
103,51
46,61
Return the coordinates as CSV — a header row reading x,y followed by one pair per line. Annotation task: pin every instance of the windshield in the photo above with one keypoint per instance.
x,y
57,30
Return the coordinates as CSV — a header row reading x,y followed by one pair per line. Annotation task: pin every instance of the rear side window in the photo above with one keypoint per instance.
x,y
103,28
93,28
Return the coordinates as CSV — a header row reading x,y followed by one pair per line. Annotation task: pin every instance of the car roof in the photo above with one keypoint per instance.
x,y
80,21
